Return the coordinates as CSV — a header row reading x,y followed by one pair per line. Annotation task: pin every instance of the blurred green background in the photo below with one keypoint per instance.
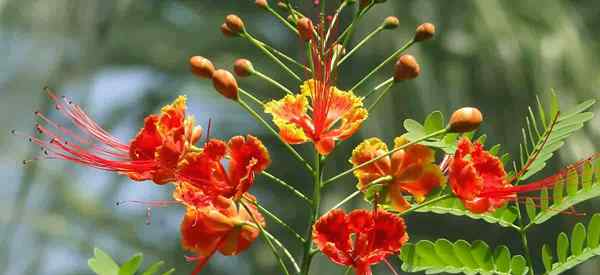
x,y
123,59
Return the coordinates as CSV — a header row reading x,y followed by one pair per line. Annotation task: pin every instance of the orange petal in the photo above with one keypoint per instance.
x,y
420,180
144,145
173,115
289,114
416,154
367,151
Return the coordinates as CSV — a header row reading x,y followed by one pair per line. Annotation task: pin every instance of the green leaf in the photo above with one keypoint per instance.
x,y
537,148
577,239
443,256
505,216
155,267
169,272
102,263
579,252
547,257
434,122
413,127
530,208
132,265
562,247
576,193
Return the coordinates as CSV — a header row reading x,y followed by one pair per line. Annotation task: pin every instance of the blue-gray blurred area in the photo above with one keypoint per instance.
x,y
124,59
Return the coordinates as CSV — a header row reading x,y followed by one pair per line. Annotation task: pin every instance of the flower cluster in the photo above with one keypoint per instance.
x,y
220,213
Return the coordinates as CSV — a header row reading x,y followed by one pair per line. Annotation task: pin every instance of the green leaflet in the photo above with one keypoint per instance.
x,y
443,256
571,252
575,188
505,216
545,133
103,264
434,122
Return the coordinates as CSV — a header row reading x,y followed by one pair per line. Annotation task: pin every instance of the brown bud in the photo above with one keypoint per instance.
x,y
465,119
391,22
227,31
263,4
424,32
243,67
201,67
234,23
305,28
225,84
406,68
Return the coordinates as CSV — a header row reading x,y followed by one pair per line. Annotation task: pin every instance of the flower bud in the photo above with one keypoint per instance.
x,y
225,84
234,23
305,28
424,32
281,4
406,68
465,119
243,67
201,67
263,4
227,31
391,22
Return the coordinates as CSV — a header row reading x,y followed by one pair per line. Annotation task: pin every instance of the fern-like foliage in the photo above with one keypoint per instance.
x,y
443,256
571,252
103,264
433,123
545,133
504,216
575,184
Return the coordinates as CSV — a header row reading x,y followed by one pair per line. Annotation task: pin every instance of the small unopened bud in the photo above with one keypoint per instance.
x,y
305,28
465,119
281,4
424,32
234,23
391,22
263,4
243,67
406,68
201,67
225,84
196,134
227,31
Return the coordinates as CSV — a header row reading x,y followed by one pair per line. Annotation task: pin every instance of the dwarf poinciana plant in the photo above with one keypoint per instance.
x,y
212,178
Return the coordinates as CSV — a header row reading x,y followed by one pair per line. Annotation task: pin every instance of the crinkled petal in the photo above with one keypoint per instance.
x,y
248,156
332,237
173,115
365,152
420,180
289,114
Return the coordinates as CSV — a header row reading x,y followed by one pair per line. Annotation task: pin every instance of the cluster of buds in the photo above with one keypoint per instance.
x,y
223,81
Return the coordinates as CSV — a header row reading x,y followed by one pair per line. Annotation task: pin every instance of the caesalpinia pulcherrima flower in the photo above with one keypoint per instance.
x,y
412,170
203,169
333,114
153,154
222,224
359,239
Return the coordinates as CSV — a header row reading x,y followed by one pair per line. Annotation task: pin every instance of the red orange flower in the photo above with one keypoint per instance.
x,y
152,155
222,226
475,174
204,169
336,115
359,239
412,170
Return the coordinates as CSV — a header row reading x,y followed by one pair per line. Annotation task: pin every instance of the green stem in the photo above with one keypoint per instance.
x,y
284,249
308,250
252,97
284,56
266,125
361,43
272,81
381,95
332,179
267,240
386,61
283,20
334,20
288,187
384,83
262,47
377,181
423,204
348,270
524,242
280,222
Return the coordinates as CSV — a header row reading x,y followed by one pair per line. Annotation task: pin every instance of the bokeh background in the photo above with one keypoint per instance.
x,y
123,59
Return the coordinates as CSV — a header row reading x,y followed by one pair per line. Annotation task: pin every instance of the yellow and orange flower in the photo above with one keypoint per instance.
x,y
222,225
336,115
412,170
204,169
